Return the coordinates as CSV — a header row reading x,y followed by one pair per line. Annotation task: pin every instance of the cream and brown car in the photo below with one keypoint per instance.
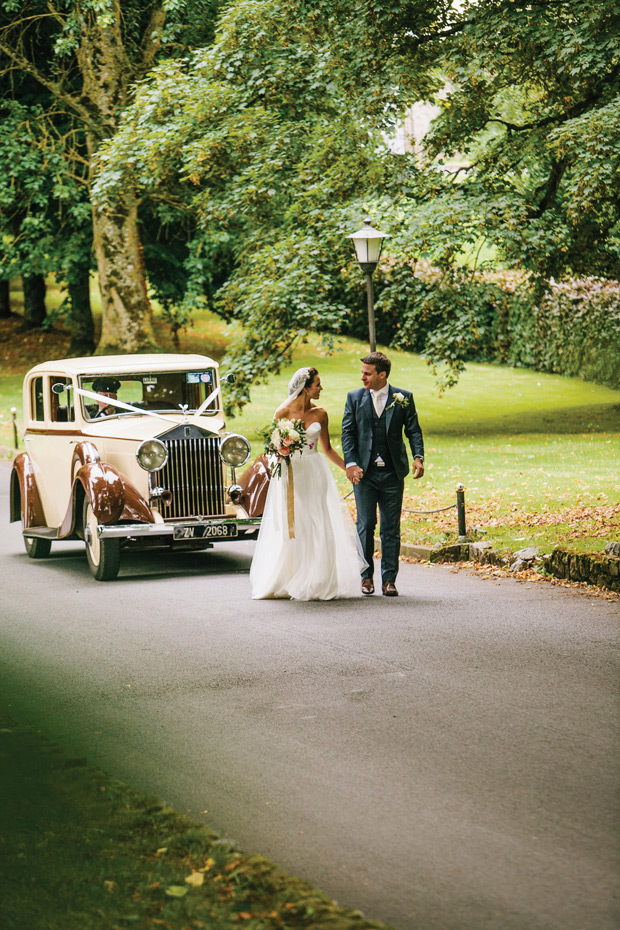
x,y
131,451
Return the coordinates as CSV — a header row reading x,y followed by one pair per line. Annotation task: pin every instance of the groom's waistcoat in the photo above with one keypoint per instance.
x,y
379,439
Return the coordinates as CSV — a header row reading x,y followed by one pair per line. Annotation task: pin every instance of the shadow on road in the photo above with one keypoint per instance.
x,y
145,565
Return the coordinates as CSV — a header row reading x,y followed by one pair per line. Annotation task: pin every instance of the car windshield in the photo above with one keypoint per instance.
x,y
160,392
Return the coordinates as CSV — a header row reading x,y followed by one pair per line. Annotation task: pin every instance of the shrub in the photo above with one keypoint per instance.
x,y
574,330
570,327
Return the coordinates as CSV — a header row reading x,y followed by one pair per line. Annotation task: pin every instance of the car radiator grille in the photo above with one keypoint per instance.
x,y
194,475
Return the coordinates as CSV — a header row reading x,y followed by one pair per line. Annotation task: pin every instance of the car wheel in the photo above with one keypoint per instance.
x,y
103,555
37,548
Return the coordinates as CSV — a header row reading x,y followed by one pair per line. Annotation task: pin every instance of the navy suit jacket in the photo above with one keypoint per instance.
x,y
357,429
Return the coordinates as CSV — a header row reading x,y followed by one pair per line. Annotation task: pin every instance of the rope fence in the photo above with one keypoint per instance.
x,y
439,510
459,504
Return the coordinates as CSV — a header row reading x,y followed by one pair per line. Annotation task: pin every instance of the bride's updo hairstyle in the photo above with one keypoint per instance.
x,y
302,378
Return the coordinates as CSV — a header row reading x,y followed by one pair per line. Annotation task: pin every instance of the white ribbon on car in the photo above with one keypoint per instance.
x,y
206,403
111,402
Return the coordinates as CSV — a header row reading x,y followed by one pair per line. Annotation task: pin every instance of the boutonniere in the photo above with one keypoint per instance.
x,y
399,401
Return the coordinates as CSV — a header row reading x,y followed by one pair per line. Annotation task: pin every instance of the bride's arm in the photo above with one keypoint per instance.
x,y
326,445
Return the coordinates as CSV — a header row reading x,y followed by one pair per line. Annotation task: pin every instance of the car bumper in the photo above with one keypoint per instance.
x,y
223,530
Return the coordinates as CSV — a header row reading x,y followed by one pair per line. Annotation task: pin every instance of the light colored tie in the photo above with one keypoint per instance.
x,y
379,401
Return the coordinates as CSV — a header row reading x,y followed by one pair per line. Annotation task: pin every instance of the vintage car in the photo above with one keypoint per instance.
x,y
131,451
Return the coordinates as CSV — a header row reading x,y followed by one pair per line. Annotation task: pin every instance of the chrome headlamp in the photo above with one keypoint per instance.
x,y
235,450
152,454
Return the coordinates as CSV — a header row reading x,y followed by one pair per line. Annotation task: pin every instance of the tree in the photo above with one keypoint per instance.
x,y
45,214
94,52
257,139
535,105
531,117
273,141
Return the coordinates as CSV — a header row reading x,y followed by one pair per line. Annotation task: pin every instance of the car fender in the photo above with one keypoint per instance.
x,y
112,498
25,500
255,483
85,453
135,508
104,490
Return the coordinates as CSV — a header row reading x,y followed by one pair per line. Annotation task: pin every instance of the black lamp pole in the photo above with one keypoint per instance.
x,y
371,311
368,245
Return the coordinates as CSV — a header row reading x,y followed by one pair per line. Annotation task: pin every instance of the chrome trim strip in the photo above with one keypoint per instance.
x,y
167,529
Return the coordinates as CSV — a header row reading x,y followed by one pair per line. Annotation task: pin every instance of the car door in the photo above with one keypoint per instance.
x,y
50,438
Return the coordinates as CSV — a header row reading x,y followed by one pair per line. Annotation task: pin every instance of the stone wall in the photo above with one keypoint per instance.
x,y
601,569
597,568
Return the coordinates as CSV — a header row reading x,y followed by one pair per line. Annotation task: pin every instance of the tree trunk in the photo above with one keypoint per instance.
x,y
107,74
5,300
34,301
81,317
126,324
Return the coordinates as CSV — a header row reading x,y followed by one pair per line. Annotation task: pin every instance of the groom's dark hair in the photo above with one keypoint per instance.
x,y
379,360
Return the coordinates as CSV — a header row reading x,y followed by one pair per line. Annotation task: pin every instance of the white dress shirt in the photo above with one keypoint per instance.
x,y
379,399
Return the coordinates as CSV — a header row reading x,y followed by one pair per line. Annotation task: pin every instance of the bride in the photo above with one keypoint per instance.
x,y
321,562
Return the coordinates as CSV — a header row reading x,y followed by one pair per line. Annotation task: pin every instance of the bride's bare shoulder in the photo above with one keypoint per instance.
x,y
319,414
283,412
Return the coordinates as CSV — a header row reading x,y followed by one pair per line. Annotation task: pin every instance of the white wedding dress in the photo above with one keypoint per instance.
x,y
321,562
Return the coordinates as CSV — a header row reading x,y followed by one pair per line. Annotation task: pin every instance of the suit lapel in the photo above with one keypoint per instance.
x,y
367,409
389,409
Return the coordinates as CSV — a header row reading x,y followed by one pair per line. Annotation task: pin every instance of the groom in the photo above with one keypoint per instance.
x,y
375,418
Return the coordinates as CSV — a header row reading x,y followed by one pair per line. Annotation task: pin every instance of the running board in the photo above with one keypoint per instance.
x,y
40,532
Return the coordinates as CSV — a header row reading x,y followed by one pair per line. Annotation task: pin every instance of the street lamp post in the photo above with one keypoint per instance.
x,y
368,243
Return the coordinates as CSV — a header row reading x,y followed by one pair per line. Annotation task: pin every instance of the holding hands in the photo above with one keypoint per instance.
x,y
354,474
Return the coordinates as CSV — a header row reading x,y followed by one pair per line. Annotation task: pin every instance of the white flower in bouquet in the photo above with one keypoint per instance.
x,y
283,438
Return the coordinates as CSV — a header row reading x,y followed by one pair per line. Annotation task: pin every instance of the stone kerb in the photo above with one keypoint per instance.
x,y
600,569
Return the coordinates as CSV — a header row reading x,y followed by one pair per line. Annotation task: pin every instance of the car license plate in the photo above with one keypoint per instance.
x,y
204,530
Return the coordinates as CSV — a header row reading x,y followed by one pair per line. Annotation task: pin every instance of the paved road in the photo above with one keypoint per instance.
x,y
445,761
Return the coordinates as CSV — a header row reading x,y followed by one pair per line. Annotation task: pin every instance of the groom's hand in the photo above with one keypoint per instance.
x,y
354,474
418,468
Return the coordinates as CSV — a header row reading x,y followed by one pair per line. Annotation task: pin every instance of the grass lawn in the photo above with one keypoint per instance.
x,y
81,851
539,455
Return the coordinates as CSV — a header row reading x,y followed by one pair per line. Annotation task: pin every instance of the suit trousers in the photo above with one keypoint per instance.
x,y
380,488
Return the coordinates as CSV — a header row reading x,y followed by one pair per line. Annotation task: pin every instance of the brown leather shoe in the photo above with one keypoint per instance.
x,y
389,589
367,586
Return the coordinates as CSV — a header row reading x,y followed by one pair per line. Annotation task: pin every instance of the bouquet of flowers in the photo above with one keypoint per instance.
x,y
283,438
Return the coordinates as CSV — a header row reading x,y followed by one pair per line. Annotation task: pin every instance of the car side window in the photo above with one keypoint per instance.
x,y
61,400
37,407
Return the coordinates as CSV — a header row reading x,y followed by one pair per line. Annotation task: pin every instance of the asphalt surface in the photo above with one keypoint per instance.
x,y
446,760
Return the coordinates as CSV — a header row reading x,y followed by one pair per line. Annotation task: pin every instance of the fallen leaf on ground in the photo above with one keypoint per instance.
x,y
176,891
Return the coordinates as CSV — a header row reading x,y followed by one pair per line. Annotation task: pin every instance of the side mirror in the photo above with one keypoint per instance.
x,y
230,378
61,388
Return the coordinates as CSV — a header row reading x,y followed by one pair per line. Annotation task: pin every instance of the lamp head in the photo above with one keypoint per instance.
x,y
368,244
